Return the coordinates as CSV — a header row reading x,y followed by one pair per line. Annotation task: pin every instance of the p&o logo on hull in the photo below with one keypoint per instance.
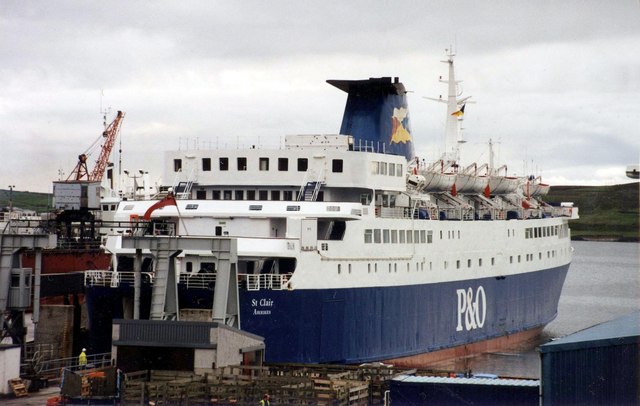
x,y
472,307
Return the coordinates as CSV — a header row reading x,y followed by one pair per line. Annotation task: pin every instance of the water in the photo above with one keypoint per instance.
x,y
603,284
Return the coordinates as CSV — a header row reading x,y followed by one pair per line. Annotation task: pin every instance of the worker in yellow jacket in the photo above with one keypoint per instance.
x,y
82,359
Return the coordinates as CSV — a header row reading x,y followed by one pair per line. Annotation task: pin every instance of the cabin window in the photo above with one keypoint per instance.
x,y
457,264
208,267
201,194
263,195
336,165
113,207
468,263
303,164
218,230
177,165
189,266
224,164
385,236
416,236
399,170
264,164
401,237
105,207
368,236
493,261
215,195
377,236
275,195
479,261
383,168
429,236
423,236
392,169
242,163
287,195
251,195
226,195
206,164
239,195
409,237
283,164
394,236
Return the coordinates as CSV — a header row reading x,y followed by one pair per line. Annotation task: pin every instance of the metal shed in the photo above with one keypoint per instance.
x,y
182,345
598,365
435,390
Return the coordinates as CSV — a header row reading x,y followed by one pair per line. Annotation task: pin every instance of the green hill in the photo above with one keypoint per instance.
x,y
607,212
38,202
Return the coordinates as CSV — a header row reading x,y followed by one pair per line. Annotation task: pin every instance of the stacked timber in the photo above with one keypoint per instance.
x,y
246,385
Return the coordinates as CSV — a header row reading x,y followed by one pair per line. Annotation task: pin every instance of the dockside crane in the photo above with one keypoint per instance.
x,y
78,198
110,134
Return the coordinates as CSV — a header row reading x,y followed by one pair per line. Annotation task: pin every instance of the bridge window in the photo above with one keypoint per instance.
x,y
368,236
283,164
239,195
177,165
336,165
224,164
251,195
206,164
377,236
264,164
242,163
263,195
303,164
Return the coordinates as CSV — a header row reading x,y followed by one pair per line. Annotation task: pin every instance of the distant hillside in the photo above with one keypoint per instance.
x,y
605,211
38,202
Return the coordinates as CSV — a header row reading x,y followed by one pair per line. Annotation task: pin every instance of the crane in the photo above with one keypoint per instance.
x,y
81,172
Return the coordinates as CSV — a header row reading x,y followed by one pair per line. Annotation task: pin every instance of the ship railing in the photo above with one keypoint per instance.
x,y
51,369
257,282
114,279
198,280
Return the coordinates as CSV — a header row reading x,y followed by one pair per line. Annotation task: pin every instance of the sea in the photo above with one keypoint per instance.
x,y
603,283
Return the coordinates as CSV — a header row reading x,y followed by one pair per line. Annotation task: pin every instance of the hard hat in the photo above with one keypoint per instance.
x,y
84,349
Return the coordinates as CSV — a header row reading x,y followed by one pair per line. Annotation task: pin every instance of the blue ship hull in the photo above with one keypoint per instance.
x,y
367,324
372,324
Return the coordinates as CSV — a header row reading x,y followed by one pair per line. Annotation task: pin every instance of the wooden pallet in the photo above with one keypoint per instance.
x,y
18,388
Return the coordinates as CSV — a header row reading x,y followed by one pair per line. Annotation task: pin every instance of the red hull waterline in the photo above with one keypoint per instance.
x,y
495,344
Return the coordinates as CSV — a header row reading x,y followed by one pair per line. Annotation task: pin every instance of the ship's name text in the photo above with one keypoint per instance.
x,y
262,303
472,307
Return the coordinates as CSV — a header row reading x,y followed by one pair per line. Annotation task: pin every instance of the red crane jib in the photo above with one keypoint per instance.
x,y
110,135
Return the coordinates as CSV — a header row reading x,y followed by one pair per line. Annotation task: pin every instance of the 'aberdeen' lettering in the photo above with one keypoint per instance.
x,y
472,307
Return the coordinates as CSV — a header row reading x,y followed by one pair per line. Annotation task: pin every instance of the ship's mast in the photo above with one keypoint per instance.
x,y
455,112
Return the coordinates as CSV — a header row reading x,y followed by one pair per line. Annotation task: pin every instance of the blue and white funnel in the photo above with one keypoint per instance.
x,y
376,115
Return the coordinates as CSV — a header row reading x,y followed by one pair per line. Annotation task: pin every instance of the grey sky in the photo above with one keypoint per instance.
x,y
556,84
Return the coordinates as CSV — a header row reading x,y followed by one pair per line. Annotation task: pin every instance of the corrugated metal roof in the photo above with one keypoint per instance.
x,y
621,331
467,381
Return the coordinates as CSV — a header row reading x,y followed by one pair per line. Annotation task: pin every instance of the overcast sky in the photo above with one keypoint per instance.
x,y
556,83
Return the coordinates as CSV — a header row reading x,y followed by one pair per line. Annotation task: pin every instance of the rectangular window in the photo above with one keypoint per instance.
x,y
239,195
226,195
394,236
287,195
399,170
283,164
423,236
206,164
479,261
264,164
177,165
383,168
336,165
429,237
377,236
275,195
263,195
468,263
242,163
392,169
457,264
416,236
201,194
303,164
409,237
385,236
402,241
215,194
251,195
224,164
368,236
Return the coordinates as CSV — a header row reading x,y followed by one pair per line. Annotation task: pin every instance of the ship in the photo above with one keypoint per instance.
x,y
342,248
